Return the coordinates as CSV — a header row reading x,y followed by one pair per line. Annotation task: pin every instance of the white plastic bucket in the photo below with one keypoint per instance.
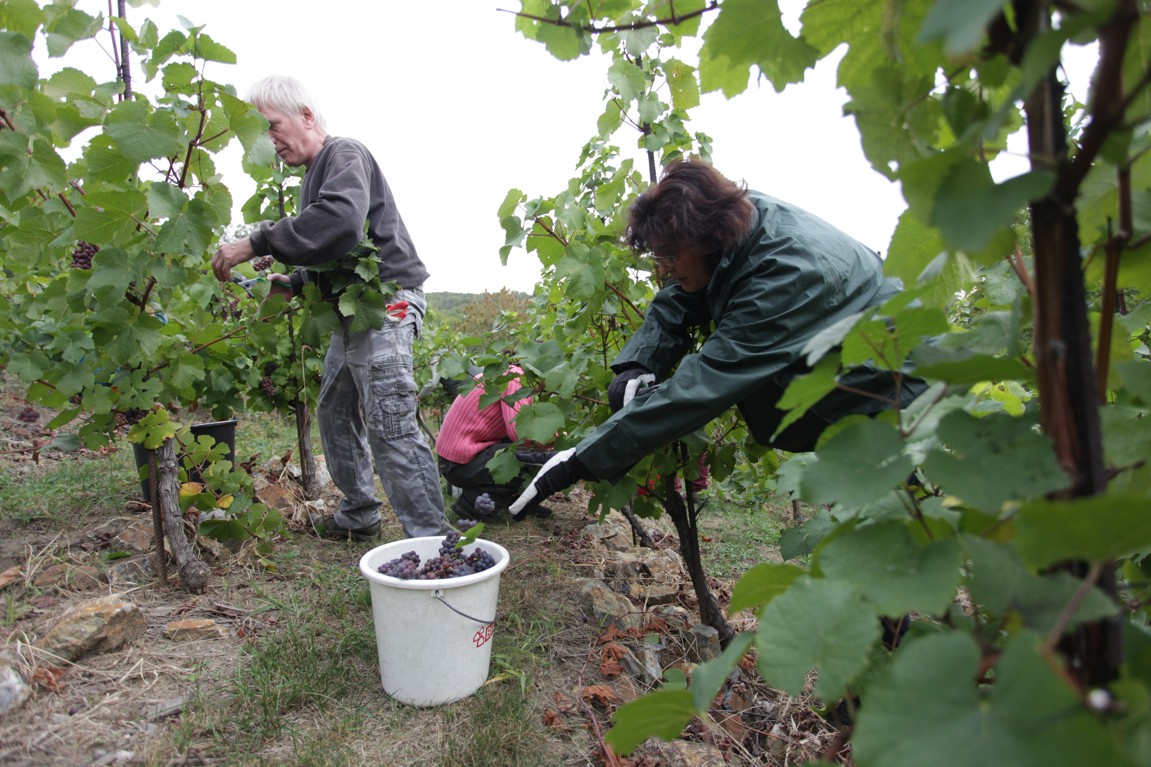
x,y
434,637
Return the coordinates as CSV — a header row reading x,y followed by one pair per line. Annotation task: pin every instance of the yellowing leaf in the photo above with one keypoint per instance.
x,y
224,501
188,489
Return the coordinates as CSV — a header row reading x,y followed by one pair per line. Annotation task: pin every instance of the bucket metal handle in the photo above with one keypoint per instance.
x,y
439,594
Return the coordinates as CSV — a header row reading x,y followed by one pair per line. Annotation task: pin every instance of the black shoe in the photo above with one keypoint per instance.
x,y
535,510
326,527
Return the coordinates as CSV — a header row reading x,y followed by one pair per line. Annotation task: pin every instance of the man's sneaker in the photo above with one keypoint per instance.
x,y
326,527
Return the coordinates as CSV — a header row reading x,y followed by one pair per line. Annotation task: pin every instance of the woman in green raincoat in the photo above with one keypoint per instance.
x,y
760,278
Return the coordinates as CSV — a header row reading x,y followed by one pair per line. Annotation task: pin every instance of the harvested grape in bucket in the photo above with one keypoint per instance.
x,y
452,562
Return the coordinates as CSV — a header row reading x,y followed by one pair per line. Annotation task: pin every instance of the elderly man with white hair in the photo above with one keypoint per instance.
x,y
367,405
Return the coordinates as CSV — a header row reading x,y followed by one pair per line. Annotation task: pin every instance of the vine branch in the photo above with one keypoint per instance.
x,y
594,30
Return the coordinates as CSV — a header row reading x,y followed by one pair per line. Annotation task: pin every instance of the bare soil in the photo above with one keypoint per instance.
x,y
114,708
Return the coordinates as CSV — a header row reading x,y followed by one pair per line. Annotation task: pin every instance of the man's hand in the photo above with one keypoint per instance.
x,y
560,472
281,285
230,255
625,385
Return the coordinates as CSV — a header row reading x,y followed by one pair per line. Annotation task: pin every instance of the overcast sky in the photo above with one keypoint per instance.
x,y
458,108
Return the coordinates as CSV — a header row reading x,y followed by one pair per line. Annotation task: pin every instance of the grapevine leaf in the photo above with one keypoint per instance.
x,y
929,703
831,337
581,276
367,308
184,372
885,344
63,418
209,50
708,678
106,163
1137,641
684,86
1095,529
165,200
565,42
750,33
796,542
816,624
151,430
136,338
960,26
1126,440
539,422
627,78
918,258
162,50
65,443
970,208
189,231
892,570
23,16
223,530
504,467
548,361
863,461
110,216
661,714
636,41
1135,376
74,346
806,390
71,379
761,584
26,165
961,367
1010,458
36,232
1001,582
109,277
16,64
141,133
66,28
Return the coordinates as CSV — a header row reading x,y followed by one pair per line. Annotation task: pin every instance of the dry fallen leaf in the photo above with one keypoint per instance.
x,y
599,693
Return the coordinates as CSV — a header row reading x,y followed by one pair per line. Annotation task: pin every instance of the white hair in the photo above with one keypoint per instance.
x,y
286,95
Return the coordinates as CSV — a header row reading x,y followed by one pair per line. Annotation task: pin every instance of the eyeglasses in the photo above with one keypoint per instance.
x,y
665,259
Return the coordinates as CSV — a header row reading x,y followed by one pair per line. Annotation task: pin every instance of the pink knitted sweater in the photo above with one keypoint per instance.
x,y
467,429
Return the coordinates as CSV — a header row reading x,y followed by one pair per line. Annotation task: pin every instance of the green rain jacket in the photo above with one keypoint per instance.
x,y
795,276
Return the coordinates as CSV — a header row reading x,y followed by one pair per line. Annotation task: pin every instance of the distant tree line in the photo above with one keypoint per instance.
x,y
476,314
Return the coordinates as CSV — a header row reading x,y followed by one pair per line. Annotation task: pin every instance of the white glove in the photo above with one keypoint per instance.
x,y
555,475
635,384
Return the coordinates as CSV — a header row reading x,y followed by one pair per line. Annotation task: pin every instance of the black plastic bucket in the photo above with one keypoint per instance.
x,y
220,431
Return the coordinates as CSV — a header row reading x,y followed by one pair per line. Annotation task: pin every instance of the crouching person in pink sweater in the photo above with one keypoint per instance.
x,y
470,437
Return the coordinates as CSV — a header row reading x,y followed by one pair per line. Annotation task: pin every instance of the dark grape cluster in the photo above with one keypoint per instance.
x,y
485,505
451,562
268,385
405,567
450,544
29,415
82,255
227,309
262,263
130,417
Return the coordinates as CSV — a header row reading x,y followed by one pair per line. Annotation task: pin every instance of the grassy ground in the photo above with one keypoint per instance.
x,y
298,681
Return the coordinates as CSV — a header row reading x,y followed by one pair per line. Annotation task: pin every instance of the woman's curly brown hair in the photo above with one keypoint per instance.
x,y
693,204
